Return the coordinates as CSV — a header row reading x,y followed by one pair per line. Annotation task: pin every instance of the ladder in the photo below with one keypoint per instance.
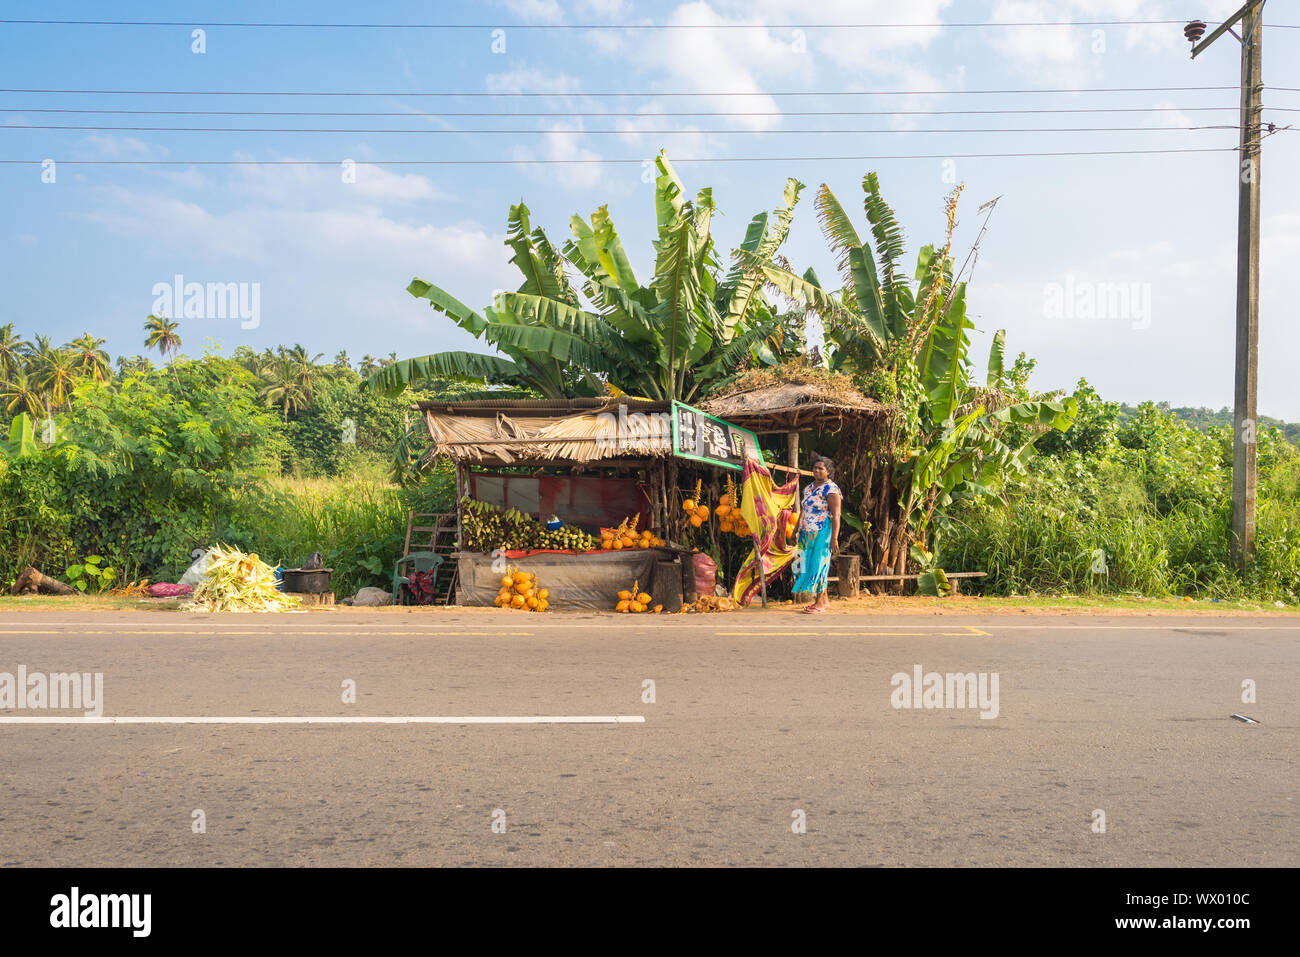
x,y
436,532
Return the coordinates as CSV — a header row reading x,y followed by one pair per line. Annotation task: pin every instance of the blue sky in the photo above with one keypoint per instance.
x,y
333,259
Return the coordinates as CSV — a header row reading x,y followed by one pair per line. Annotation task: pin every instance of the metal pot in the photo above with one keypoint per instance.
x,y
315,581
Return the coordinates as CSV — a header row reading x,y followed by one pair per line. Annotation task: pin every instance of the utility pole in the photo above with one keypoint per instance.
x,y
1251,18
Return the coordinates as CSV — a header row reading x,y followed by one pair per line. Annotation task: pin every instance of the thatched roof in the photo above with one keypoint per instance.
x,y
549,432
794,406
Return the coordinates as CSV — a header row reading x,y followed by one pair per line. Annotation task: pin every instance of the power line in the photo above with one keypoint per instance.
x,y
647,95
517,132
610,26
649,113
616,161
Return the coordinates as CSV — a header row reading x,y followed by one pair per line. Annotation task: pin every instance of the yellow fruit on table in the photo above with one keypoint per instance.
x,y
636,606
543,604
618,544
522,587
531,602
658,609
523,577
688,505
625,595
644,599
499,600
543,593
517,601
507,582
623,605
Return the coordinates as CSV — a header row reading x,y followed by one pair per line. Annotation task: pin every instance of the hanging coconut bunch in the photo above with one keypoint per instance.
x,y
696,511
486,528
728,512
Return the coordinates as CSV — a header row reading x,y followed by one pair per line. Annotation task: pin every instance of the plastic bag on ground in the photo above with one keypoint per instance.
x,y
194,574
706,574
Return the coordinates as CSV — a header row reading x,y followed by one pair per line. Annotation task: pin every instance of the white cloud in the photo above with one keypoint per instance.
x,y
1185,353
547,11
328,263
562,142
102,146
603,8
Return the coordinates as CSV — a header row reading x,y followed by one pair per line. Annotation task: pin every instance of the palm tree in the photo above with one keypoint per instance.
x,y
283,387
368,364
58,377
341,359
246,357
18,394
162,335
38,353
307,372
127,365
12,350
91,361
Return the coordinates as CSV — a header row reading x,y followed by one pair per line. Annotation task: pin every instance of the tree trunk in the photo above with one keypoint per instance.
x,y
33,581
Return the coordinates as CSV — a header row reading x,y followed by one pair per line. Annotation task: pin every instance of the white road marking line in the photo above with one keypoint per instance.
x,y
1185,627
394,719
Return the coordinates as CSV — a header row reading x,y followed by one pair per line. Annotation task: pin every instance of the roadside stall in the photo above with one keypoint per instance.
x,y
585,499
569,492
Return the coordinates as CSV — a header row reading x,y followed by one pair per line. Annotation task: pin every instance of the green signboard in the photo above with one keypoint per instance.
x,y
703,438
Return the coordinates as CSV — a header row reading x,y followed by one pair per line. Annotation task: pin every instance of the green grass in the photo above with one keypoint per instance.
x,y
358,526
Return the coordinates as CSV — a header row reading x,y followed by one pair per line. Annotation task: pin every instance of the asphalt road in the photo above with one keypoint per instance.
x,y
756,716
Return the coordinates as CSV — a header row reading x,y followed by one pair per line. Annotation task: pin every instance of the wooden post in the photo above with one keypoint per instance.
x,y
460,493
714,492
792,460
848,568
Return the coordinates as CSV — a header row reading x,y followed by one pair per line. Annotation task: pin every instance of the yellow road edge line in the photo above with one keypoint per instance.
x,y
851,634
275,634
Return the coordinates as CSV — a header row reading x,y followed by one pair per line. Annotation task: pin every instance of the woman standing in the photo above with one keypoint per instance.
x,y
819,535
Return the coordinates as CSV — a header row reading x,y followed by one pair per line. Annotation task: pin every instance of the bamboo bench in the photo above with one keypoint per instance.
x,y
848,581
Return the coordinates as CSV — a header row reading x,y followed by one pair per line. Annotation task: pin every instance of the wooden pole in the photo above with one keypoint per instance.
x,y
460,494
792,449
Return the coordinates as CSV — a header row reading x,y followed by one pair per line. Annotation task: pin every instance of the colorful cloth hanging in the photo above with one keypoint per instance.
x,y
763,506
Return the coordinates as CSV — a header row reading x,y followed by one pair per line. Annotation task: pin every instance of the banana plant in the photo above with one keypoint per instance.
x,y
950,432
686,332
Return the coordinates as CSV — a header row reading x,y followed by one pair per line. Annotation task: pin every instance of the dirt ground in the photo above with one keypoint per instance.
x,y
864,604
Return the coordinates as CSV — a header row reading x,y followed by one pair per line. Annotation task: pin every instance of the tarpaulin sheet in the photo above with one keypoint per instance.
x,y
583,580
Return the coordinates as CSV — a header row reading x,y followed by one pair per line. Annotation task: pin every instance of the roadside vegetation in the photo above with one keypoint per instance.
x,y
282,453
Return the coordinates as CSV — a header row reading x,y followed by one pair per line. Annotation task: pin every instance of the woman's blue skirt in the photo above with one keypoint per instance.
x,y
812,565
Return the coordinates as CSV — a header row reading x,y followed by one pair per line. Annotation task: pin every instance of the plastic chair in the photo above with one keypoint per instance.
x,y
421,562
